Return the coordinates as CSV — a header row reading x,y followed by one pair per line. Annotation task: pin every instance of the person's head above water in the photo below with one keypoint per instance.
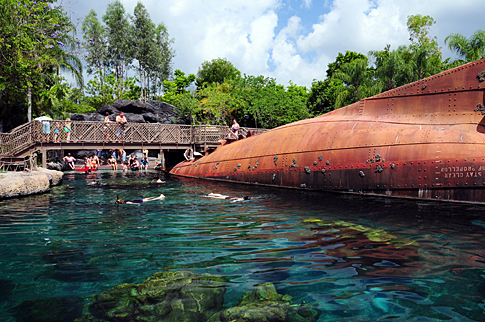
x,y
247,198
119,201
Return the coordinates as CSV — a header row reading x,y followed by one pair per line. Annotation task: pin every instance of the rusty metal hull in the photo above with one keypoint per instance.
x,y
424,140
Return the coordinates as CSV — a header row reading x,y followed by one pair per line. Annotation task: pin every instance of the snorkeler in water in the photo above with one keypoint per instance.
x,y
234,199
96,183
138,201
157,179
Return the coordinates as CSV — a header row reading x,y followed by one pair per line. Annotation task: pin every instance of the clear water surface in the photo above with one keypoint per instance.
x,y
360,259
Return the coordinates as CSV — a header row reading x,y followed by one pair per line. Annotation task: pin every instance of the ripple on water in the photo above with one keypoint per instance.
x,y
356,258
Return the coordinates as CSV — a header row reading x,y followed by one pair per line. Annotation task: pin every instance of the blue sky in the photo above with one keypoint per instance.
x,y
291,39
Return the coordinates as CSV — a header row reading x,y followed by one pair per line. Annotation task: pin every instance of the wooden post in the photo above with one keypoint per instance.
x,y
44,158
34,168
161,157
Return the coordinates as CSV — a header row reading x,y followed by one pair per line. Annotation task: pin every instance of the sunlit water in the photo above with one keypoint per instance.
x,y
366,260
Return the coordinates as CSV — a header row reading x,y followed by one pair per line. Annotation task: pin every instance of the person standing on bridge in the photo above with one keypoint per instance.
x,y
46,129
67,129
106,127
120,126
235,129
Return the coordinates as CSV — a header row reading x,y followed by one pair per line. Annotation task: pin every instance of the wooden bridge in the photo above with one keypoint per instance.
x,y
44,136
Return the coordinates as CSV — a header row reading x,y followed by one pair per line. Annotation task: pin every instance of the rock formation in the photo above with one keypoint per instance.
x,y
15,184
135,112
184,296
264,304
165,296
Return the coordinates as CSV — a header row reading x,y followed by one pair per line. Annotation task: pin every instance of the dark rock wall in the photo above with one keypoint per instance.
x,y
135,112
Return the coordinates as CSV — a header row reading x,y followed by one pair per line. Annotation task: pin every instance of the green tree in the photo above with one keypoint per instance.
x,y
161,66
105,89
32,41
267,103
177,93
425,61
391,67
425,55
94,43
119,39
113,48
359,82
217,104
323,95
180,83
470,49
216,71
145,51
419,27
341,59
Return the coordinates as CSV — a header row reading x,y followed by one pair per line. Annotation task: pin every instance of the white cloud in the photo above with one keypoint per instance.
x,y
307,3
257,37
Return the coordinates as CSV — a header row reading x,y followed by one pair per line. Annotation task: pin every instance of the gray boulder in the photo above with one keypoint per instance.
x,y
134,118
54,166
136,107
14,184
110,109
152,118
136,112
87,117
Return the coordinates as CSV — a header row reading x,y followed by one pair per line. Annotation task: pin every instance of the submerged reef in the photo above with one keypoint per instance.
x,y
374,235
182,296
264,304
165,296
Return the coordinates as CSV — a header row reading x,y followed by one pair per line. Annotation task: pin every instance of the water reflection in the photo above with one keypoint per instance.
x,y
358,258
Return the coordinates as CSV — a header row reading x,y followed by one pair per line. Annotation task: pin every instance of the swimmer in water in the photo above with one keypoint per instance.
x,y
234,199
157,180
138,201
95,183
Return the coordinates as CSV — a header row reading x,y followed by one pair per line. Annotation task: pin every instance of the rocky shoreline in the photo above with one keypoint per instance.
x,y
16,184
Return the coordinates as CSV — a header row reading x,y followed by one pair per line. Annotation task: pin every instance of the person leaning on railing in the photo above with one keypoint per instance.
x,y
57,130
46,130
67,129
120,126
106,127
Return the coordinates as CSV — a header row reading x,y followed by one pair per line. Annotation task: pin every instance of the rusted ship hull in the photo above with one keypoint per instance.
x,y
424,140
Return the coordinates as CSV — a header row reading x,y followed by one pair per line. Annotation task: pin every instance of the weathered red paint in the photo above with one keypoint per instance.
x,y
424,140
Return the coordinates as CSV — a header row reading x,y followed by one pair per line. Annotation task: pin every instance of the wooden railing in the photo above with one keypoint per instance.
x,y
39,132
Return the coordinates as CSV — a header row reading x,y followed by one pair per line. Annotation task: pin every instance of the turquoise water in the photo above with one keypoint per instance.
x,y
359,259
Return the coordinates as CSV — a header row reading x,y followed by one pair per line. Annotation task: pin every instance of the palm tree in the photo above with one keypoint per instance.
x,y
358,79
471,49
391,68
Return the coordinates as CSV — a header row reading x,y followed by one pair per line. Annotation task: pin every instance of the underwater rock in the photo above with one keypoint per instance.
x,y
375,235
165,296
6,287
264,304
52,310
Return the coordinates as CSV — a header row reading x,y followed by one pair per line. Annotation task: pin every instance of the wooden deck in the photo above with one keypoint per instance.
x,y
44,136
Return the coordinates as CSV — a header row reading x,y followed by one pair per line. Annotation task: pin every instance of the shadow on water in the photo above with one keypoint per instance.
x,y
65,309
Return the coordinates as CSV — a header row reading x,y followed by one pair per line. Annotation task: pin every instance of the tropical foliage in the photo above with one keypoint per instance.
x,y
35,44
470,49
130,57
216,71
